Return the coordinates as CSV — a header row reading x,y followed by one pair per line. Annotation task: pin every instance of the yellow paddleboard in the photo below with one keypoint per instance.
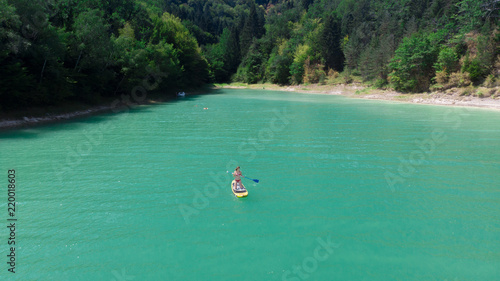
x,y
239,193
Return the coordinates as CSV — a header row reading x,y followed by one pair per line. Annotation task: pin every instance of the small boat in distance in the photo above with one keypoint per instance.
x,y
181,94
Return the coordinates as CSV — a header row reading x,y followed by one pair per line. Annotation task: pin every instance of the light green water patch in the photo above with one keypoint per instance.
x,y
349,190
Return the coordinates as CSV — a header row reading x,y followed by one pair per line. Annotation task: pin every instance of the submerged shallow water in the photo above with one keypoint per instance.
x,y
349,190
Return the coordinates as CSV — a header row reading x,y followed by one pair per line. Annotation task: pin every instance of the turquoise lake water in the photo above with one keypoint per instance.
x,y
349,190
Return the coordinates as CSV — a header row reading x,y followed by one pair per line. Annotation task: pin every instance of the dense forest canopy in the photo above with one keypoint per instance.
x,y
57,50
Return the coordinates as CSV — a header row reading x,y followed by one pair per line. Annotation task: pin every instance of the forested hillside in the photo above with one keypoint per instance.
x,y
57,50
52,51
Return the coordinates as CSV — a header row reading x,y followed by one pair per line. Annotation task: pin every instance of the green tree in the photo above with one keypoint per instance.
x,y
278,65
480,57
224,57
15,80
215,57
252,29
447,60
330,41
306,3
10,39
299,59
250,70
231,48
92,41
169,29
412,65
470,14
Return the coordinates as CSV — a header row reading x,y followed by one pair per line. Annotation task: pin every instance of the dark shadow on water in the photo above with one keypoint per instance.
x,y
34,130
19,134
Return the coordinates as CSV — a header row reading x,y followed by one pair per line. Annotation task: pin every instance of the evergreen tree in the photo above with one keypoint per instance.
x,y
250,30
305,3
231,48
330,43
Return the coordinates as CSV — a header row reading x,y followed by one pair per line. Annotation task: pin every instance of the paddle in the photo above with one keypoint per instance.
x,y
245,177
256,181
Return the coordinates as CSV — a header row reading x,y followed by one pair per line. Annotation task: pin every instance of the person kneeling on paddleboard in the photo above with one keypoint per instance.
x,y
237,178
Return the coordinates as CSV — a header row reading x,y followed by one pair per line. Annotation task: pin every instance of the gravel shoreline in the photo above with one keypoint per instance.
x,y
449,98
30,121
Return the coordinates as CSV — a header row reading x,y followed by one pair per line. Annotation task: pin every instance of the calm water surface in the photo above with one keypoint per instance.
x,y
349,190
